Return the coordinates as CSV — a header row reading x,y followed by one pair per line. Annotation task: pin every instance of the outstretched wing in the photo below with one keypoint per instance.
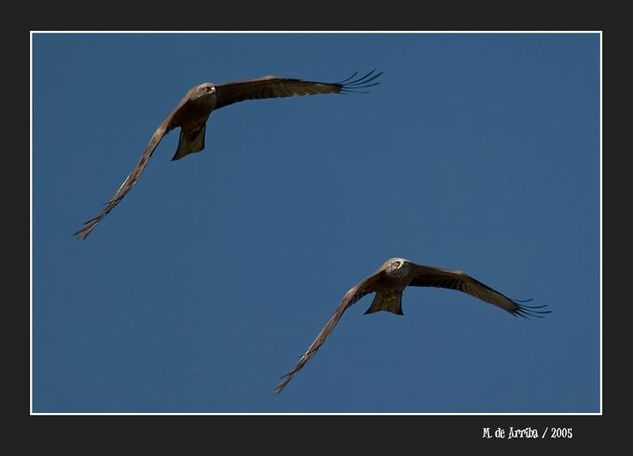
x,y
276,87
129,182
353,295
429,276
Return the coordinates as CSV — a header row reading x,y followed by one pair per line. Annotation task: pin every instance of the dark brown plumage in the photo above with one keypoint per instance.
x,y
192,112
391,279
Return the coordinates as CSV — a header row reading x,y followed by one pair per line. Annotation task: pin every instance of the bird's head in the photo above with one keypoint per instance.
x,y
203,90
397,266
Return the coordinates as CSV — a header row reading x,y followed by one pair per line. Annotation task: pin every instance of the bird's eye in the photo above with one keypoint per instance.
x,y
397,264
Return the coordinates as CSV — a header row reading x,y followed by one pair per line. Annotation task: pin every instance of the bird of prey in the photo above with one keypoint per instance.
x,y
192,112
389,281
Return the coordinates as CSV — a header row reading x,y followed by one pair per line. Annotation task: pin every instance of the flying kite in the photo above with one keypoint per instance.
x,y
192,112
389,281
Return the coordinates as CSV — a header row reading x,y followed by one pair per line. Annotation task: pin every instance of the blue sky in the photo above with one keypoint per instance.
x,y
477,152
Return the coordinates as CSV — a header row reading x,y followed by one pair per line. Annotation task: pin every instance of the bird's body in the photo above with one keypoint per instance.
x,y
192,114
389,287
388,283
192,119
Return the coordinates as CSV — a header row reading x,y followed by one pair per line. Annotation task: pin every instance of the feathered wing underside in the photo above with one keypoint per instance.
x,y
277,87
429,276
132,178
353,295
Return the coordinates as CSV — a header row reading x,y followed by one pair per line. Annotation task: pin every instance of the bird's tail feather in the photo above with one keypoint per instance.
x,y
391,304
190,141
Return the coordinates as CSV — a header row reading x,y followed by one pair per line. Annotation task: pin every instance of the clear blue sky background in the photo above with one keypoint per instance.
x,y
476,152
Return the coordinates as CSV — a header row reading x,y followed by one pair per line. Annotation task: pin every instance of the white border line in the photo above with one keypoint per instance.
x,y
31,222
398,32
321,32
600,228
310,414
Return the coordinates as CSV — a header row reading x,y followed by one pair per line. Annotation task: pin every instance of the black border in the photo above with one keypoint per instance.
x,y
84,434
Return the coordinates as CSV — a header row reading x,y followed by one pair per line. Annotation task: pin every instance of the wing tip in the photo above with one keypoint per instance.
x,y
285,379
84,232
528,312
353,84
